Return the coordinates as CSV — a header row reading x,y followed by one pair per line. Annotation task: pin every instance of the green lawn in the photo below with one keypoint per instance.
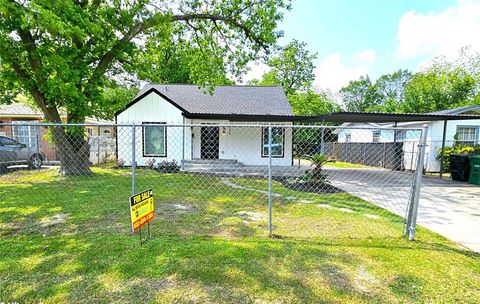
x,y
68,240
339,164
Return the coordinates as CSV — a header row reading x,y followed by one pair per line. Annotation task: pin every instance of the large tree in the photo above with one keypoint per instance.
x,y
386,94
444,85
359,95
310,103
292,68
64,53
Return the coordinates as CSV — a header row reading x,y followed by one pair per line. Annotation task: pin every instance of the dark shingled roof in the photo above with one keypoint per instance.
x,y
225,100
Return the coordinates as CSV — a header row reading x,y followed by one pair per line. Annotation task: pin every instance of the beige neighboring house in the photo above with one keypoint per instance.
x,y
19,116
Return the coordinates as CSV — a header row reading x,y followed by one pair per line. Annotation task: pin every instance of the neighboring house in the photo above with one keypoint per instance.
x,y
464,132
187,104
20,116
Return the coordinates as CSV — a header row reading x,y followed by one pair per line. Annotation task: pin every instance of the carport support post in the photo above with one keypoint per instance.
x,y
134,162
417,182
442,160
270,228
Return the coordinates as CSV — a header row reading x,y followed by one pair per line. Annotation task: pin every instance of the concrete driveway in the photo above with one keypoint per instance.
x,y
449,208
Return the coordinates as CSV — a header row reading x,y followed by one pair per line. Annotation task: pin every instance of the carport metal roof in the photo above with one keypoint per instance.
x,y
384,117
338,117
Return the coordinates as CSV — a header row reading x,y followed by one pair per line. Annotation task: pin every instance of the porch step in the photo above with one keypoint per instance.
x,y
202,161
212,162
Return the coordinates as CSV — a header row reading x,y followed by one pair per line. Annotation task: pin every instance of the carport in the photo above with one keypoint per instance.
x,y
395,118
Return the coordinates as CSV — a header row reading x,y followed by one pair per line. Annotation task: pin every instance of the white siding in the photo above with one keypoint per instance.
x,y
152,108
364,135
242,144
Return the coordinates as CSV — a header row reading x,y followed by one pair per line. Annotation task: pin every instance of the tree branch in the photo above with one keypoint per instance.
x,y
110,55
248,32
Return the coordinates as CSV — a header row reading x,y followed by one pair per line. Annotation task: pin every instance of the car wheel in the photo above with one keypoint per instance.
x,y
35,162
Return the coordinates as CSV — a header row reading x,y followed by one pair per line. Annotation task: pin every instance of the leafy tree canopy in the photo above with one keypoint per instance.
x,y
65,53
443,85
292,68
310,103
359,95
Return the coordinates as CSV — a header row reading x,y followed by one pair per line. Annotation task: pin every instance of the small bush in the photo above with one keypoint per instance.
x,y
150,163
456,149
120,163
168,167
315,175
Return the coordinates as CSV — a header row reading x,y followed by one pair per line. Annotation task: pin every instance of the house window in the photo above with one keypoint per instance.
x,y
278,137
154,139
467,136
348,137
376,136
25,134
400,135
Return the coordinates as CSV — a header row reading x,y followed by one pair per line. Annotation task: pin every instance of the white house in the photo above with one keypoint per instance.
x,y
162,111
457,131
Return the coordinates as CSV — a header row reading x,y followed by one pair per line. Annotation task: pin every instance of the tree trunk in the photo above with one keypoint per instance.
x,y
73,151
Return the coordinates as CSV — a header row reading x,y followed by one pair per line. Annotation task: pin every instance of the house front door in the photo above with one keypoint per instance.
x,y
210,142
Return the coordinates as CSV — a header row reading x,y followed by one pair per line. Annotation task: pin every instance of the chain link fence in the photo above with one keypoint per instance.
x,y
225,180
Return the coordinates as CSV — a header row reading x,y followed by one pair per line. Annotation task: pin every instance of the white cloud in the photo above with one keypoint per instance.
x,y
439,33
367,56
256,71
333,74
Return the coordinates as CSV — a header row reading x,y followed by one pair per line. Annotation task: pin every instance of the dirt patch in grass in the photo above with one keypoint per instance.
x,y
312,187
251,216
54,220
44,226
174,209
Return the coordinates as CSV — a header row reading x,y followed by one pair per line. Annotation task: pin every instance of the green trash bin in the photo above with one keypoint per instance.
x,y
474,170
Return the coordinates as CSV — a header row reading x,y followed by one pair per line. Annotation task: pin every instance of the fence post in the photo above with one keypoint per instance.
x,y
416,186
322,139
38,142
98,149
270,228
134,162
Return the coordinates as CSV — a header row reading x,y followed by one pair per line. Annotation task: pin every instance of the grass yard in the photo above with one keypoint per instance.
x,y
339,164
68,240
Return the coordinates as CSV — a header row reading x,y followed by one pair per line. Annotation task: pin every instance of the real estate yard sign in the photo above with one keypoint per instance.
x,y
141,209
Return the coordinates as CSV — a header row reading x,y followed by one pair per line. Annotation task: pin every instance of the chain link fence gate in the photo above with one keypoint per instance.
x,y
225,180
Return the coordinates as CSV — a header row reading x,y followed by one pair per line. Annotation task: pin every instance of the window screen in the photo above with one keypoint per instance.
x,y
154,140
467,135
26,134
278,137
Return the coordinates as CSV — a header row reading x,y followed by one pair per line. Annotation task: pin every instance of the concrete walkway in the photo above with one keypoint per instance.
x,y
449,208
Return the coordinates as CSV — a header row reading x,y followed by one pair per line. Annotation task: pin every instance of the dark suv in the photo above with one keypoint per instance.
x,y
13,152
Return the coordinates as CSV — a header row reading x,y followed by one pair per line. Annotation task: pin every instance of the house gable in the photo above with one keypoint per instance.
x,y
152,90
151,107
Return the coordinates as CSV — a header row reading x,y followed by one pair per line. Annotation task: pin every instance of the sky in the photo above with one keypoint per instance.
x,y
375,37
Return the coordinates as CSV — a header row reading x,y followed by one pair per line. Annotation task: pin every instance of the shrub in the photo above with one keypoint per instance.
x,y
120,163
456,149
168,167
315,175
150,163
